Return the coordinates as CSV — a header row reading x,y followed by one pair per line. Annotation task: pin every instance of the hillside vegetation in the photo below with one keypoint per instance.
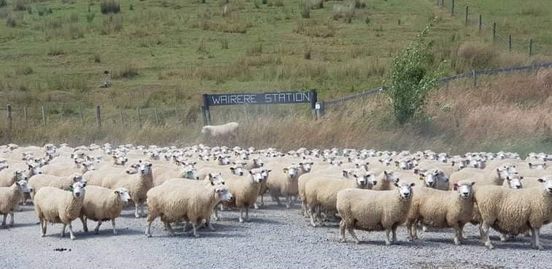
x,y
164,54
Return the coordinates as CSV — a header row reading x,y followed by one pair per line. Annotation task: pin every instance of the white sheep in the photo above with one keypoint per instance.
x,y
321,193
285,182
11,175
59,206
137,181
374,210
244,190
184,200
102,204
513,212
228,129
40,181
442,209
9,198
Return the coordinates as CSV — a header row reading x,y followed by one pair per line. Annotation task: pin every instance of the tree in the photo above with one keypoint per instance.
x,y
412,78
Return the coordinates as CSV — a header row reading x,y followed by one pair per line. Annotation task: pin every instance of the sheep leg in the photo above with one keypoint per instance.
x,y
353,234
304,207
485,235
84,224
394,234
169,228
288,201
12,222
63,230
194,228
342,231
536,238
142,212
71,232
387,241
210,226
457,236
43,225
241,215
148,228
113,225
247,213
4,220
311,214
97,229
136,214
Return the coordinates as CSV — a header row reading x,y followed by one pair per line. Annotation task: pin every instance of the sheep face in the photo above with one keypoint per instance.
x,y
465,190
390,176
34,170
78,179
222,193
216,179
23,186
258,162
237,169
366,181
123,195
190,173
405,190
291,171
144,168
307,166
505,171
514,182
537,166
265,173
20,175
78,189
223,160
257,175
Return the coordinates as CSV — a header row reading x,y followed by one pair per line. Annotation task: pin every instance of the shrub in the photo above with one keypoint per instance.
x,y
20,5
477,55
110,7
305,10
3,3
411,79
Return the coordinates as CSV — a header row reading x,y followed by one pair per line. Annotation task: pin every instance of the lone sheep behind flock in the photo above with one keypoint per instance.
x,y
200,185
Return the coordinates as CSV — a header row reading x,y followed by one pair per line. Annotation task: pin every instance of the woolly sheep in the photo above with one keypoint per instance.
x,y
244,190
374,210
59,206
321,193
442,209
184,200
228,129
40,181
513,212
102,204
285,182
11,175
9,197
137,181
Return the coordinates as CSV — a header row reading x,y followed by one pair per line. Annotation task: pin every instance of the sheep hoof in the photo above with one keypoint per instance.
x,y
387,243
489,245
196,235
72,238
357,242
342,240
457,242
241,220
539,247
115,232
148,235
43,235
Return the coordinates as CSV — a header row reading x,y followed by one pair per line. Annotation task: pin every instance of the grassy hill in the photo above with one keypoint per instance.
x,y
164,54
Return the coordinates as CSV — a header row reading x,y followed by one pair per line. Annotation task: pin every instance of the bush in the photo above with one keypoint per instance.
x,y
477,55
305,11
110,7
3,3
20,5
411,79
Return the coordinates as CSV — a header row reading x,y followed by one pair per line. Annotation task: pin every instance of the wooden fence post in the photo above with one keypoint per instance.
x,y
494,32
43,115
510,42
530,47
98,117
442,3
467,14
122,118
10,121
474,74
81,115
176,114
480,22
156,115
139,117
452,8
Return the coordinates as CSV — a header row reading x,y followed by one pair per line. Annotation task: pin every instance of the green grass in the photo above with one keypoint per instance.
x,y
165,54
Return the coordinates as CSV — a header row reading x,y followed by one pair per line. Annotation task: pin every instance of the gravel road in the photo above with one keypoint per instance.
x,y
274,238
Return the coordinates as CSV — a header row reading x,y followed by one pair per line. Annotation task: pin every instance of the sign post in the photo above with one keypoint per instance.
x,y
267,98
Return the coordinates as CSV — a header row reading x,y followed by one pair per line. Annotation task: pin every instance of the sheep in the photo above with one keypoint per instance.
x,y
513,212
180,199
11,175
442,209
9,198
228,129
374,210
321,193
245,190
59,206
385,180
40,181
285,182
434,178
101,204
137,181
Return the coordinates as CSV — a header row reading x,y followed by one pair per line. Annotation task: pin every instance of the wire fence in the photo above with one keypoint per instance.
x,y
474,75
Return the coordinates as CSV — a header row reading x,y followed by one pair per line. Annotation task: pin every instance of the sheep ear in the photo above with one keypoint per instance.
x,y
268,171
521,177
232,169
116,192
285,170
397,184
250,172
412,184
455,186
540,180
473,183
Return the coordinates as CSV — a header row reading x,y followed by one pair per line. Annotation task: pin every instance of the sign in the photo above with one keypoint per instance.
x,y
260,98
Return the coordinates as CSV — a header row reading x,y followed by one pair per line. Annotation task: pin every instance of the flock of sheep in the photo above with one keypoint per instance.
x,y
362,189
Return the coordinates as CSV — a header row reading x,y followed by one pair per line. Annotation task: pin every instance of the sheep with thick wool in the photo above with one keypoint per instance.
x,y
9,176
442,209
59,206
228,129
103,204
285,182
10,197
244,190
514,211
321,193
184,200
64,182
138,181
374,210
